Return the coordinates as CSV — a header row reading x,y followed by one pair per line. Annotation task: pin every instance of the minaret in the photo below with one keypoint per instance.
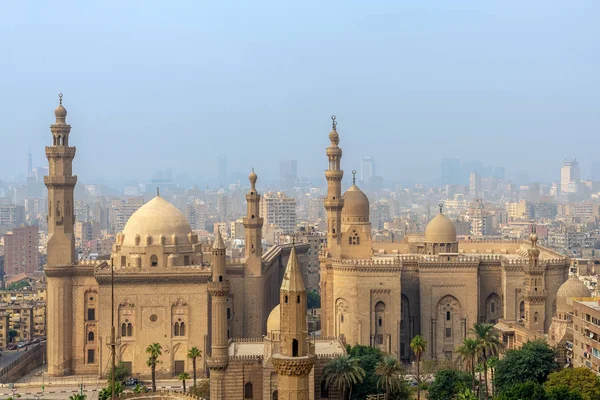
x,y
254,309
296,358
333,201
61,245
535,293
253,223
219,290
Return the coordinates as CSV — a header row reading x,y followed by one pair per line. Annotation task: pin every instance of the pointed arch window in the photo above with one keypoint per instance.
x,y
354,239
248,394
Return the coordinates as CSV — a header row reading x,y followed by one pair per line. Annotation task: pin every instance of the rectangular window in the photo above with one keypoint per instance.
x,y
228,313
179,367
448,332
91,314
186,260
90,356
123,261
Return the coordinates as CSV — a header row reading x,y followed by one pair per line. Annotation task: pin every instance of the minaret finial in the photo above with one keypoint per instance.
x,y
157,191
253,177
354,177
441,205
60,96
333,122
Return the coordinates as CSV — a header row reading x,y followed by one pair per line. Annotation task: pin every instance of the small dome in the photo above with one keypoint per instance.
x,y
155,218
573,287
274,320
440,230
60,112
356,205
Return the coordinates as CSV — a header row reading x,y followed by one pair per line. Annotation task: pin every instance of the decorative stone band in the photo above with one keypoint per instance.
x,y
69,270
153,277
217,363
218,288
293,366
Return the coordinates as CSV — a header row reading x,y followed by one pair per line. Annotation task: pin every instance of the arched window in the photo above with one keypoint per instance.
x,y
535,317
354,239
123,329
176,329
182,329
286,299
220,278
493,307
58,209
90,336
294,347
153,260
275,395
522,310
298,299
342,318
130,329
324,390
447,315
380,322
248,391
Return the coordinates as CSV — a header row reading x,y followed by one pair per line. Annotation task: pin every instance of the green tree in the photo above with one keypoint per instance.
x,y
469,353
154,351
183,377
564,393
12,334
580,380
313,299
106,393
491,363
524,391
368,358
121,372
343,372
448,383
18,285
193,354
490,345
465,394
202,390
534,361
77,397
389,370
418,345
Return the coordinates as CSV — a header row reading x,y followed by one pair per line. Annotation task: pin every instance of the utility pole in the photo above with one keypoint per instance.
x,y
113,339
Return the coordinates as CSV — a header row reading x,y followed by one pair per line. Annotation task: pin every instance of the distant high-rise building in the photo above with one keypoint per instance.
x,y
196,214
123,210
475,185
222,172
11,215
279,211
367,169
29,164
569,173
21,251
288,173
596,171
223,207
450,171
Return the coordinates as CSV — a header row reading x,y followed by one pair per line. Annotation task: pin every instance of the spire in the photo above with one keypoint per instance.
x,y
292,279
333,135
157,191
253,177
533,237
441,205
354,177
219,244
60,112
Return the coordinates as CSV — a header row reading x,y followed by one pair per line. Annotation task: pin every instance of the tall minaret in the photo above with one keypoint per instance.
x,y
535,288
61,246
295,360
333,201
253,223
219,290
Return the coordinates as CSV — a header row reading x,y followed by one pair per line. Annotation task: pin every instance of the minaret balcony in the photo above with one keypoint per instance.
x,y
217,363
293,366
60,151
334,175
333,203
60,181
218,288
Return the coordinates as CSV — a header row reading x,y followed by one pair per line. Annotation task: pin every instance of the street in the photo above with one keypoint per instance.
x,y
9,356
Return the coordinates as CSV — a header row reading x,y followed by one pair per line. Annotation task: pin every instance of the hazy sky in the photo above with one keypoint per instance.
x,y
152,85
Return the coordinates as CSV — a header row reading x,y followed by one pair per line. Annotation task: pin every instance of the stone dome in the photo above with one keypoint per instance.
x,y
356,206
274,320
60,112
573,287
440,230
155,218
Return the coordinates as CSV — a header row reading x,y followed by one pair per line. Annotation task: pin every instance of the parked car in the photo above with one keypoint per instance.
x,y
131,382
21,345
11,347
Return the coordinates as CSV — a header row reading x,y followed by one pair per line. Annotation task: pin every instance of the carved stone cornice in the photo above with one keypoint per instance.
x,y
153,278
293,366
217,363
218,288
366,269
68,271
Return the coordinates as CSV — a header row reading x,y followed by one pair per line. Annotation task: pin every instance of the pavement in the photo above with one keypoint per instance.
x,y
9,356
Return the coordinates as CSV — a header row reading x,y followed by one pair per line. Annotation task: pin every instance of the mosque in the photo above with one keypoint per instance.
x,y
248,316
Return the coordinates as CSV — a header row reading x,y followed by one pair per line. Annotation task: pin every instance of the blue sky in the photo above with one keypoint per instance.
x,y
152,85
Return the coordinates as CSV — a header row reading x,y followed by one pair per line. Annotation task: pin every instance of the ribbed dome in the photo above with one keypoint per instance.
x,y
60,112
274,320
573,287
440,230
356,205
155,218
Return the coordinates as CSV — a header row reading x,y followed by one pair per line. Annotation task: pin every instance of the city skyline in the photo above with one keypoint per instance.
x,y
506,90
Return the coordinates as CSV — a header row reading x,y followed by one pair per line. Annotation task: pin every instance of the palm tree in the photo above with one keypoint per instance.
x,y
491,363
490,345
342,372
418,345
193,354
182,377
469,353
154,351
77,397
389,370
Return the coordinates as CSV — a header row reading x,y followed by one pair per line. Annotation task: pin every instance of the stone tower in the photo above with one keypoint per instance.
x,y
61,245
334,202
253,280
219,290
296,358
535,292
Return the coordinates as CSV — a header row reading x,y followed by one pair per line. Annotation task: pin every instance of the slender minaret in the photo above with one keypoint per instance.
x,y
535,293
61,245
219,290
295,360
253,223
334,202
